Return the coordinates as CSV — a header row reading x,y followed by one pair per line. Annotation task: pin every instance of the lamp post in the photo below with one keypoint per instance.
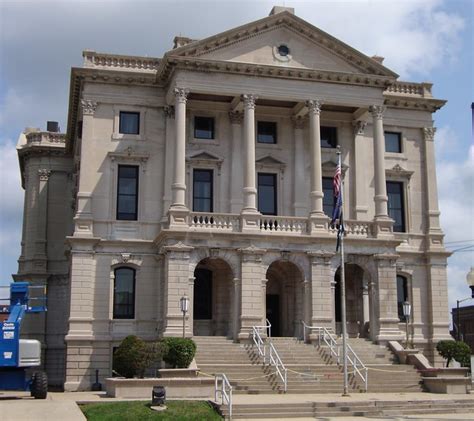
x,y
184,306
406,314
470,282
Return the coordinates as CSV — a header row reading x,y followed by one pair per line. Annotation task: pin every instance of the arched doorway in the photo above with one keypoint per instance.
x,y
212,298
357,301
284,302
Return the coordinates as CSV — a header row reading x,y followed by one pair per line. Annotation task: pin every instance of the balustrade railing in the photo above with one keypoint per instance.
x,y
354,228
216,221
223,388
275,361
283,224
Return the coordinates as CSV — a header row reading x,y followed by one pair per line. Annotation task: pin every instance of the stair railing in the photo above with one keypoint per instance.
x,y
258,341
223,388
275,361
325,336
358,366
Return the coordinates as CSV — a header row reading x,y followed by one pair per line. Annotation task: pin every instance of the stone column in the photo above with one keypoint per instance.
x,y
299,204
360,161
322,295
42,221
251,290
191,305
386,299
178,210
236,313
176,285
235,181
168,158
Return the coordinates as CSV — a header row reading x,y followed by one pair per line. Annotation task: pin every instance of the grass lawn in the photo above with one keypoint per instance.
x,y
139,410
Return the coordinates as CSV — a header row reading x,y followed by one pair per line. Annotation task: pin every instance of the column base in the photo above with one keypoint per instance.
x,y
318,224
250,220
178,217
383,227
246,323
389,331
174,327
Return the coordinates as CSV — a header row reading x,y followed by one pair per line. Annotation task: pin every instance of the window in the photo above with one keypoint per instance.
x,y
393,142
124,293
129,122
328,199
203,127
202,191
267,195
266,132
402,295
283,50
127,193
202,294
328,137
396,205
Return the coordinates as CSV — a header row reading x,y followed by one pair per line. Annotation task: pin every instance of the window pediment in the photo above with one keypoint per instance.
x,y
270,161
397,171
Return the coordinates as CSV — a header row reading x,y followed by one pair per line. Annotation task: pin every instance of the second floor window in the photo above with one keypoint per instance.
x,y
328,137
203,191
393,142
328,199
129,122
127,193
124,293
203,127
396,205
266,132
267,194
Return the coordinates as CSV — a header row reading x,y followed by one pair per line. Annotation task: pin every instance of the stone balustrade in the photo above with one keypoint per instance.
x,y
46,138
283,224
422,90
119,62
214,221
362,229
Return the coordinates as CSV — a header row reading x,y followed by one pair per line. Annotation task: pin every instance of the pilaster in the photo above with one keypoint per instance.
x,y
235,182
360,159
169,114
299,203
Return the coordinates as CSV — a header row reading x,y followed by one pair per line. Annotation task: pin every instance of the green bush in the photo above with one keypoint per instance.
x,y
456,350
134,356
179,351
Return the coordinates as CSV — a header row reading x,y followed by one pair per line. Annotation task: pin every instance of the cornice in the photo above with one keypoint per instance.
x,y
422,104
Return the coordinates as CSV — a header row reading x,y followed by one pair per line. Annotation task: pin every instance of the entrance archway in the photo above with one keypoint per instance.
x,y
212,298
357,301
284,302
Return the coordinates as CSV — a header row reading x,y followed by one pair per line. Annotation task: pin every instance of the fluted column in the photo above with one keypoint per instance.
x,y
316,194
235,183
179,175
249,190
168,113
360,158
299,204
379,163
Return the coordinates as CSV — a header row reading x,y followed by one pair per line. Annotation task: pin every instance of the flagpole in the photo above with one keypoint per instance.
x,y
343,285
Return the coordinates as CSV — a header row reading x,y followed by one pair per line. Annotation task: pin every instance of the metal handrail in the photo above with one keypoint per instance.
x,y
225,391
258,341
355,361
327,337
276,362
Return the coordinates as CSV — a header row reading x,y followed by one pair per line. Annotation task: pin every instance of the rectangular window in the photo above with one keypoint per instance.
x,y
203,127
124,293
267,194
266,132
129,122
328,199
203,191
328,137
393,142
127,193
396,205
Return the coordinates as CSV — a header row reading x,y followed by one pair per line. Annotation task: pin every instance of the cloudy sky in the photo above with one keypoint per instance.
x,y
422,40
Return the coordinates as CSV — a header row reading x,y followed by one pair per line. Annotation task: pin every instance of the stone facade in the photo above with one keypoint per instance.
x,y
74,242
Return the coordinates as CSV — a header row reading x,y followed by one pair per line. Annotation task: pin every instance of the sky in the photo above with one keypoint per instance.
x,y
421,40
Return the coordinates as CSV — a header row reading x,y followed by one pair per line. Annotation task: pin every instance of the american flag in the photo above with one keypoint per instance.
x,y
336,187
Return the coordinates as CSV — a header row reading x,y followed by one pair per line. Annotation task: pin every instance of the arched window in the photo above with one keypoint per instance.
x,y
402,295
124,293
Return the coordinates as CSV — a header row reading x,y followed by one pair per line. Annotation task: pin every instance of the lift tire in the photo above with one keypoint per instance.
x,y
39,385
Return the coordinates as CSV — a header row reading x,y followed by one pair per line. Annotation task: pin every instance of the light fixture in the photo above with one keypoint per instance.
x,y
470,281
406,313
184,306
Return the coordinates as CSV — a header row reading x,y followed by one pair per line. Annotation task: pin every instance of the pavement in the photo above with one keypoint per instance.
x,y
59,406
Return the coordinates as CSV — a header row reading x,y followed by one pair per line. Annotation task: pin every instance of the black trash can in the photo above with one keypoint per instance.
x,y
158,395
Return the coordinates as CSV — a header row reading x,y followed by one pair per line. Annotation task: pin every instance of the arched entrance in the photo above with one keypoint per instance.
x,y
357,301
212,298
284,298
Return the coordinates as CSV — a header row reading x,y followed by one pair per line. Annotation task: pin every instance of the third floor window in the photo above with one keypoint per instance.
x,y
328,137
396,205
129,122
204,128
266,132
393,142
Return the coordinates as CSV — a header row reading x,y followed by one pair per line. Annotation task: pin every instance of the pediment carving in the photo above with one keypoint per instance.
x,y
204,156
398,171
270,160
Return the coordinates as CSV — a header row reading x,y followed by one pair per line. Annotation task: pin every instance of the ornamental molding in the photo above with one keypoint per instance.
x,y
359,127
249,101
127,259
236,117
269,162
178,247
314,106
181,95
252,250
429,133
377,111
129,154
299,122
320,256
169,111
398,171
88,106
421,104
44,174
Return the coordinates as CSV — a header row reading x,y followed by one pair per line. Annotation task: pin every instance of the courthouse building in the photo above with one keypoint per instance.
x,y
208,173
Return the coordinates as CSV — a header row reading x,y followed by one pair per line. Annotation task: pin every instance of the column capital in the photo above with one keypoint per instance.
x,y
314,106
249,100
181,94
298,122
377,111
429,133
359,127
88,106
236,117
169,111
44,174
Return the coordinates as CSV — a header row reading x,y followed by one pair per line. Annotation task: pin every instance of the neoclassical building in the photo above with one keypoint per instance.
x,y
208,173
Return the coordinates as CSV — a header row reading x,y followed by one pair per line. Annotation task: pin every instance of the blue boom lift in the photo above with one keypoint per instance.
x,y
19,357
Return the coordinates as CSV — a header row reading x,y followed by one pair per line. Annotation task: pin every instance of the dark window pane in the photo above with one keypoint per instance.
x,y
202,303
127,192
393,142
266,132
203,191
204,127
396,205
402,295
328,137
129,122
328,199
124,293
267,195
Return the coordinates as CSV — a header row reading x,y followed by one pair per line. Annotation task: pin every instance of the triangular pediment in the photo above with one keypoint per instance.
x,y
269,160
258,42
204,156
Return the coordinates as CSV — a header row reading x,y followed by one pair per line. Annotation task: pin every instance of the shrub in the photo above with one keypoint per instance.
x,y
458,351
179,351
134,356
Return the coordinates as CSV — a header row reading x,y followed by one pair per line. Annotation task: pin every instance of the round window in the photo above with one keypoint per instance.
x,y
283,50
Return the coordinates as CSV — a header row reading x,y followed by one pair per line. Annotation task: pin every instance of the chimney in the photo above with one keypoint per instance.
x,y
378,59
52,126
279,9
